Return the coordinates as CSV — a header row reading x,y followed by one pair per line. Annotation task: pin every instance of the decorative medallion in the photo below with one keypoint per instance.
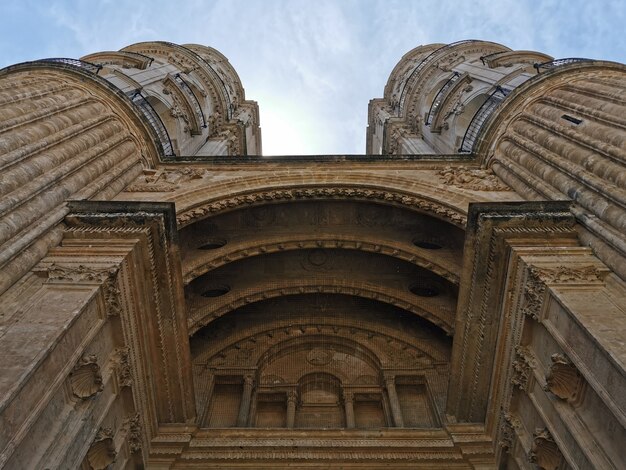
x,y
319,357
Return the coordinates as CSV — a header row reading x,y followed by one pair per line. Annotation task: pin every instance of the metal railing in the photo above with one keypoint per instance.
x,y
481,116
557,63
155,121
192,98
420,67
93,68
440,96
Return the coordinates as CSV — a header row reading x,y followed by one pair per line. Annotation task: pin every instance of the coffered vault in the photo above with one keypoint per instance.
x,y
452,299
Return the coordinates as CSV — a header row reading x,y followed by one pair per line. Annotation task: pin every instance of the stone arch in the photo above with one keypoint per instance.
x,y
441,202
424,259
342,329
202,315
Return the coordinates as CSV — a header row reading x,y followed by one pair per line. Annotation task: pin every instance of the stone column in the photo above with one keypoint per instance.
x,y
244,407
394,403
292,397
348,402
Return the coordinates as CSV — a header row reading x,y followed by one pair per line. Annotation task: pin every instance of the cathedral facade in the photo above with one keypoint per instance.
x,y
454,298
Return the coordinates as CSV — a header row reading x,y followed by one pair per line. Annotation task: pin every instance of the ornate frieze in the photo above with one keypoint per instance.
x,y
564,380
569,274
473,179
85,379
289,194
544,452
166,180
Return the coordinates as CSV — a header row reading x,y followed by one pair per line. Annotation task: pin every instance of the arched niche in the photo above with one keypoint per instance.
x,y
165,114
463,121
315,367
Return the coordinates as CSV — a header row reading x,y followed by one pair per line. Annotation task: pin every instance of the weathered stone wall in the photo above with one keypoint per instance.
x,y
64,134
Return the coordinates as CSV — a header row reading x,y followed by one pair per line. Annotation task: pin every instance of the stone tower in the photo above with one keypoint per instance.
x,y
455,298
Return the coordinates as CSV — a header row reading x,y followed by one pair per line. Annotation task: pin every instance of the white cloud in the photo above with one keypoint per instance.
x,y
313,66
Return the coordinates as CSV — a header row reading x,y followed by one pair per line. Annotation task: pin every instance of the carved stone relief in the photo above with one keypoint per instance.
x,y
264,197
474,179
102,452
544,452
124,372
509,424
166,180
534,291
133,436
523,366
567,274
564,380
85,379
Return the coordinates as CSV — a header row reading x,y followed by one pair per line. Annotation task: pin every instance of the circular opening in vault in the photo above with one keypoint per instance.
x,y
424,291
216,291
426,245
213,244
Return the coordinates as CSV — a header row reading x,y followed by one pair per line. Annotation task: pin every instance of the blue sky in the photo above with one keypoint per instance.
x,y
312,65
